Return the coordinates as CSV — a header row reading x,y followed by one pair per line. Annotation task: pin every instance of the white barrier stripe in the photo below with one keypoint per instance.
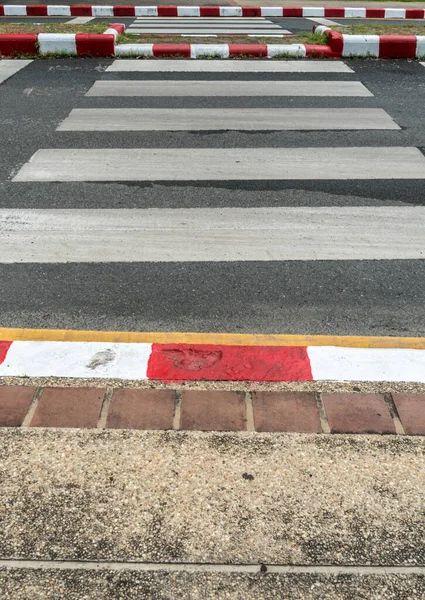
x,y
313,11
17,10
420,46
365,364
360,45
200,50
76,359
58,11
146,11
57,42
134,49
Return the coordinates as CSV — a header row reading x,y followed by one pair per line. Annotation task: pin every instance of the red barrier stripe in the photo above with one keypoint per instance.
x,y
124,11
171,50
179,362
118,27
1,10
79,10
251,11
95,44
167,11
319,51
37,10
397,46
209,11
248,50
18,43
375,13
415,13
334,12
4,348
292,11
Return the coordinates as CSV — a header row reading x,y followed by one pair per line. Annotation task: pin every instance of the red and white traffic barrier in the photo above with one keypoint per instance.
x,y
41,10
73,44
379,46
184,362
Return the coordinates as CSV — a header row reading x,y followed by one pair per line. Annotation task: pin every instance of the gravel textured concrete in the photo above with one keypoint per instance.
x,y
212,498
79,585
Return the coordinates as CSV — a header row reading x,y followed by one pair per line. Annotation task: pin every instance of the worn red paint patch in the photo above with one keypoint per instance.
x,y
228,363
4,347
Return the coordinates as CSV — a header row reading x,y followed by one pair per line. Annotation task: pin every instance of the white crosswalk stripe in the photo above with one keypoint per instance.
x,y
220,234
206,26
10,67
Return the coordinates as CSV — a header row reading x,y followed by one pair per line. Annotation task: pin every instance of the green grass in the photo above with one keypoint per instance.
x,y
303,38
52,28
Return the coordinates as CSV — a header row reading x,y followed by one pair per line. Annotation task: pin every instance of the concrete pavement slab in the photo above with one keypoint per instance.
x,y
220,498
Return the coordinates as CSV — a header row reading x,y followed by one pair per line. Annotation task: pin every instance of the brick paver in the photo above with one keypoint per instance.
x,y
411,410
286,411
358,413
213,411
141,409
14,403
68,407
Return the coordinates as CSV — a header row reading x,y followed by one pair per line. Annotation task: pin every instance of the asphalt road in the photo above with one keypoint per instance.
x,y
376,297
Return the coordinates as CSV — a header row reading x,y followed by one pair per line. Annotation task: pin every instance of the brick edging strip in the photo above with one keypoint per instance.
x,y
201,362
43,10
200,410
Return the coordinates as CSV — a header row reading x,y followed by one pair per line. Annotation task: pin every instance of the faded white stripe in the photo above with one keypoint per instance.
x,y
207,164
10,67
208,119
231,66
211,234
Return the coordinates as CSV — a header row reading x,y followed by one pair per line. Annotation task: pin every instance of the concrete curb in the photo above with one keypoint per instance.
x,y
209,362
377,46
208,11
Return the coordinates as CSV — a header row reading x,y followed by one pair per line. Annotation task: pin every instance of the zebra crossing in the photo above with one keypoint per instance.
x,y
207,27
225,234
10,67
217,196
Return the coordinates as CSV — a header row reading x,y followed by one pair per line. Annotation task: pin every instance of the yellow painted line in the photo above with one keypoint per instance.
x,y
228,339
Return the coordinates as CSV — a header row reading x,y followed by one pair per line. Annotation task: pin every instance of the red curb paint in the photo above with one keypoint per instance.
x,y
319,51
238,363
37,10
124,11
375,13
397,46
251,11
415,13
209,11
248,49
292,12
95,44
334,12
118,27
335,41
171,49
1,10
18,43
4,348
79,10
167,11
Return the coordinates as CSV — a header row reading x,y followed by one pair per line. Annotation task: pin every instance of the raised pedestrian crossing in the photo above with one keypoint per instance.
x,y
209,26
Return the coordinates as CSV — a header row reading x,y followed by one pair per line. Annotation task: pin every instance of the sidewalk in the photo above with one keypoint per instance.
x,y
209,509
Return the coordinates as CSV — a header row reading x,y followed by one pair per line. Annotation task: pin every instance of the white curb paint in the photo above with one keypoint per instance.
x,y
354,13
230,11
102,11
57,42
271,11
146,11
366,364
17,10
134,50
76,359
297,50
361,45
395,13
420,46
188,11
222,50
59,11
313,11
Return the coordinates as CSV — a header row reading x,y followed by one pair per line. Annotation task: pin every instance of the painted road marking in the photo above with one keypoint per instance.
x,y
200,25
212,234
192,88
209,119
10,67
230,66
322,21
80,20
211,164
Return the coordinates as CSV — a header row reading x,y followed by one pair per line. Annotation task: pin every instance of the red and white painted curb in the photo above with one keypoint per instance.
x,y
378,46
72,44
187,362
42,10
